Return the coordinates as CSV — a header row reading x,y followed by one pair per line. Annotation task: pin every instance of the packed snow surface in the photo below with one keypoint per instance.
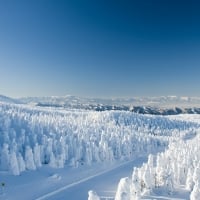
x,y
49,153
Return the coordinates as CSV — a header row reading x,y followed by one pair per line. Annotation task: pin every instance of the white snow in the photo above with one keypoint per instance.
x,y
93,195
176,169
49,153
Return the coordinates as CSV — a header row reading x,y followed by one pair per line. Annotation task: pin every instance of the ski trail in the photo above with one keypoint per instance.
x,y
50,194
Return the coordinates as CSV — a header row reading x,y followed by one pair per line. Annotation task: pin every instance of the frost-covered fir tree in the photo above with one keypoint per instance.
x,y
189,181
123,189
37,155
52,162
147,178
92,195
169,183
196,175
195,194
135,188
88,137
21,163
29,161
151,162
88,156
4,158
14,167
60,161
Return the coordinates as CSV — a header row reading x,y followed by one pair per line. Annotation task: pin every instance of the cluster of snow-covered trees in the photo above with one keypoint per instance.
x,y
31,137
178,166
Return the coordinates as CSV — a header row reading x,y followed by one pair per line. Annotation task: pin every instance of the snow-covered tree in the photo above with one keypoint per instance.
x,y
147,178
76,137
189,181
21,163
169,183
14,167
195,194
123,189
176,166
196,175
135,186
29,161
92,195
5,157
37,155
60,161
52,162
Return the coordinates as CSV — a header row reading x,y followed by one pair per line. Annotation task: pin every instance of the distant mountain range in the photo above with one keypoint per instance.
x,y
168,105
9,100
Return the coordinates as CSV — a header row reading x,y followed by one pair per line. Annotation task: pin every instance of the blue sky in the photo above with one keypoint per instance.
x,y
99,48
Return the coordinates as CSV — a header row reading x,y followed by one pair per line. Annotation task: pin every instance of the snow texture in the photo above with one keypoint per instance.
x,y
32,138
177,166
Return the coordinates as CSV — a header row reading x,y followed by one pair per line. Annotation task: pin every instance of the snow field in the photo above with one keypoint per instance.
x,y
167,172
32,137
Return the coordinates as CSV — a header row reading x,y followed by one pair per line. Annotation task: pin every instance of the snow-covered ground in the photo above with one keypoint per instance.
x,y
54,153
172,174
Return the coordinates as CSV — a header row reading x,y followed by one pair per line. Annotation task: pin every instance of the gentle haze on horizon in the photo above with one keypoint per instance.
x,y
99,48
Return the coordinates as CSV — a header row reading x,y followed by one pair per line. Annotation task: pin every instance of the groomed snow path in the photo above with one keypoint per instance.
x,y
105,183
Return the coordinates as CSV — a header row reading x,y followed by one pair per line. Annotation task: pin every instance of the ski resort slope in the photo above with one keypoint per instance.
x,y
172,174
104,182
50,153
48,183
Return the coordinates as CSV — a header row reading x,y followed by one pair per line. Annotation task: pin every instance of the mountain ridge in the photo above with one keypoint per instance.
x,y
163,105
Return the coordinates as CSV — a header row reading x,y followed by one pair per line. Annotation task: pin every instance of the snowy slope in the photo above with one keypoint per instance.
x,y
55,147
33,136
9,100
173,174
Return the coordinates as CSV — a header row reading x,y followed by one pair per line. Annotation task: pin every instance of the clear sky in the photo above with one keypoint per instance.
x,y
99,48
